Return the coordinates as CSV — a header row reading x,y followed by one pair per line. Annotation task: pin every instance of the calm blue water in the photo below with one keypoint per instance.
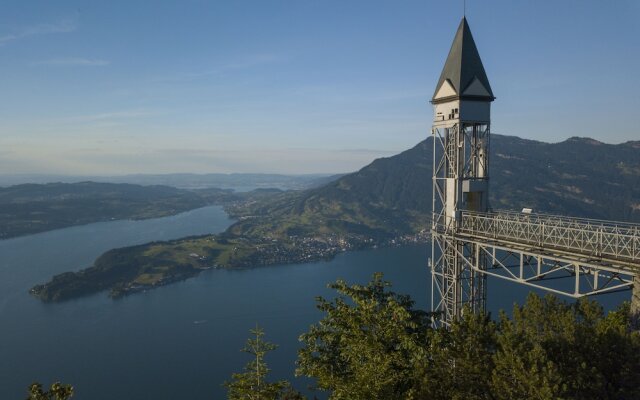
x,y
179,341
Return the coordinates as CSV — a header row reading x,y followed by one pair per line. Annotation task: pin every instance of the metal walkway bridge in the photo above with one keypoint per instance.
x,y
537,249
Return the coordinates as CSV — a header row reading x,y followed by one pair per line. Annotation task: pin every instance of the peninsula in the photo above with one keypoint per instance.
x,y
138,268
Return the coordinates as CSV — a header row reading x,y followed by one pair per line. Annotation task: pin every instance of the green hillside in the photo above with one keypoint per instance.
x,y
578,177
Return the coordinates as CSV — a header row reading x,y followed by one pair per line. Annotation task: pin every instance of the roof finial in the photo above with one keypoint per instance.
x,y
464,8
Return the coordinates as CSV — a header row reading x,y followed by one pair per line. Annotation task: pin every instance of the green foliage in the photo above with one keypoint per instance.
x,y
252,384
372,344
57,391
459,361
368,345
551,350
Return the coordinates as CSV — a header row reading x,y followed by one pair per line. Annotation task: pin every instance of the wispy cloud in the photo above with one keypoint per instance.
x,y
247,62
108,116
73,62
61,26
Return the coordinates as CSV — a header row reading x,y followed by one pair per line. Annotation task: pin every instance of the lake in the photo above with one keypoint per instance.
x,y
182,340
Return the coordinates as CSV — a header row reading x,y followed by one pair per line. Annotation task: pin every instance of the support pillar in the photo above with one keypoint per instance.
x,y
635,303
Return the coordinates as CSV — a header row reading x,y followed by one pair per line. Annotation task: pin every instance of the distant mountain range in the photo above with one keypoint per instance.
x,y
241,182
579,177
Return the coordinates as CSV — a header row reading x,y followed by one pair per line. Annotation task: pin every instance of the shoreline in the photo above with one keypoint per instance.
x,y
137,269
114,220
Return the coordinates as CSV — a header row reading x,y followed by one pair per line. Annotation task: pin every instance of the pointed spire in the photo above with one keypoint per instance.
x,y
463,75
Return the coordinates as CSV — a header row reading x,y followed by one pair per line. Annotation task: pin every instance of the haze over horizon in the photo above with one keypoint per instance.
x,y
293,87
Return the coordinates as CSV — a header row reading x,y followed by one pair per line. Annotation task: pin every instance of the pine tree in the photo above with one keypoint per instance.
x,y
252,384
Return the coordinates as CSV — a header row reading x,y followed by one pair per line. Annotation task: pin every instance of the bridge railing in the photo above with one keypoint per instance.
x,y
591,238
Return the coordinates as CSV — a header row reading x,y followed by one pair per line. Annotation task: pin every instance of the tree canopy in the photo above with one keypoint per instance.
x,y
373,344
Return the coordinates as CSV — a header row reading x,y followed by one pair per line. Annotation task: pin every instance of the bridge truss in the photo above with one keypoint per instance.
x,y
537,250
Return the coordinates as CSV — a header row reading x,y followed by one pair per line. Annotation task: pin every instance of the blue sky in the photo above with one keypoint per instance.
x,y
293,86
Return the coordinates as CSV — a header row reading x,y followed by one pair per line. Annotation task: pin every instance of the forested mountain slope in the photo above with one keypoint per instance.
x,y
578,177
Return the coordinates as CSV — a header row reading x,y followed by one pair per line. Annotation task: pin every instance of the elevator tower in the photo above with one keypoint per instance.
x,y
461,126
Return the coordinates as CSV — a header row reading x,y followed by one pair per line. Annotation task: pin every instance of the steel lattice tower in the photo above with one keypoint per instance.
x,y
470,241
460,131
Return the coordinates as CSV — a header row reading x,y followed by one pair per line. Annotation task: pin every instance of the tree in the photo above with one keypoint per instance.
x,y
57,391
252,384
553,350
459,362
368,345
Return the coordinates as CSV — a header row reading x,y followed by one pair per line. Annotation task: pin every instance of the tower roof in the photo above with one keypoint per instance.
x,y
463,75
